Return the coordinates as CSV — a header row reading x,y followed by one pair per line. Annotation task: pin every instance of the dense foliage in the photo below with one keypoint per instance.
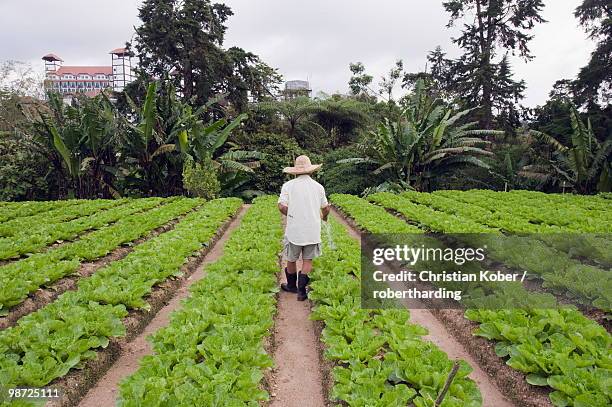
x,y
201,115
427,140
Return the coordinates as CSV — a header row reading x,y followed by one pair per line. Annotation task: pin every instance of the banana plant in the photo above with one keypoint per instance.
x,y
426,141
583,163
80,139
169,132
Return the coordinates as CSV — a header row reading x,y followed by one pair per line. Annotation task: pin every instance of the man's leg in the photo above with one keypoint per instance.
x,y
291,269
291,276
309,253
306,266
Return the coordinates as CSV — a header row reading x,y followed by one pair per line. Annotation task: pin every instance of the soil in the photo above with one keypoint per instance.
x,y
296,379
499,384
326,366
510,381
76,384
46,295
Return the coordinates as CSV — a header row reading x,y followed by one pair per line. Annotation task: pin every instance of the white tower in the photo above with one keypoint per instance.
x,y
122,68
52,63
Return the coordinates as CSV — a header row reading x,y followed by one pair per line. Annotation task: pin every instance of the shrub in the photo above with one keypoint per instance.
x,y
200,179
23,170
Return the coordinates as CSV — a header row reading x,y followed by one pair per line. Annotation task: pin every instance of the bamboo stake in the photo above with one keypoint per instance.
x,y
449,381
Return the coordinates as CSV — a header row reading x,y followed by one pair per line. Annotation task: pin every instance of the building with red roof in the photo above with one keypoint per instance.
x,y
88,80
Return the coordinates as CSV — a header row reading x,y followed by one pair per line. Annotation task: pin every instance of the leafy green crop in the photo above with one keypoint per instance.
x,y
565,213
587,284
20,278
42,221
11,210
381,359
47,234
212,353
63,335
559,348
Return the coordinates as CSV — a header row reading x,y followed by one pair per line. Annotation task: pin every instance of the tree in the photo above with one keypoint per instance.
x,y
19,78
185,38
508,93
496,24
578,160
24,169
437,74
294,112
388,83
19,86
360,81
425,142
342,118
594,82
554,116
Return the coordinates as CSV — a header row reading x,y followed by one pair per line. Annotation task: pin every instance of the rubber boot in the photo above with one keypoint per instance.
x,y
302,282
291,286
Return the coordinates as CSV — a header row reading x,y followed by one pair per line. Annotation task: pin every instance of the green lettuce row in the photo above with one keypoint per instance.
x,y
596,247
587,284
20,278
559,348
494,218
380,357
11,210
42,221
212,352
581,204
586,202
36,240
546,219
560,272
63,335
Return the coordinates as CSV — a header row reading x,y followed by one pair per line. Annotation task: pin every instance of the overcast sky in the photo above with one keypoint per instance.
x,y
304,39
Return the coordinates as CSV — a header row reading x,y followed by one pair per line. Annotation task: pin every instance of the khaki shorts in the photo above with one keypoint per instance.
x,y
292,252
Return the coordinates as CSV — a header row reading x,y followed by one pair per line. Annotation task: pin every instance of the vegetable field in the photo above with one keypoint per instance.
x,y
80,281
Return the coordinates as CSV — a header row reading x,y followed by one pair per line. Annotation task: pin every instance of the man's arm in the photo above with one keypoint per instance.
x,y
325,206
325,212
283,200
283,208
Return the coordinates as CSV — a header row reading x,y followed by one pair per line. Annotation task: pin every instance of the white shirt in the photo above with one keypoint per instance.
x,y
304,197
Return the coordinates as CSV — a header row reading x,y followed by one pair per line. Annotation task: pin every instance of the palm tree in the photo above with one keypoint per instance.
x,y
426,141
342,118
294,112
582,161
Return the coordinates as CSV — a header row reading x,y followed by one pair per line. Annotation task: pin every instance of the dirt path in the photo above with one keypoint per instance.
x,y
106,390
439,335
296,379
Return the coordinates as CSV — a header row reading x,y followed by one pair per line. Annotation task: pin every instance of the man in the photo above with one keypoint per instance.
x,y
304,203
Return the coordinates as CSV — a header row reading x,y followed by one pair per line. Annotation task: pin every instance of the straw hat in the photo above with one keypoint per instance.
x,y
302,166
